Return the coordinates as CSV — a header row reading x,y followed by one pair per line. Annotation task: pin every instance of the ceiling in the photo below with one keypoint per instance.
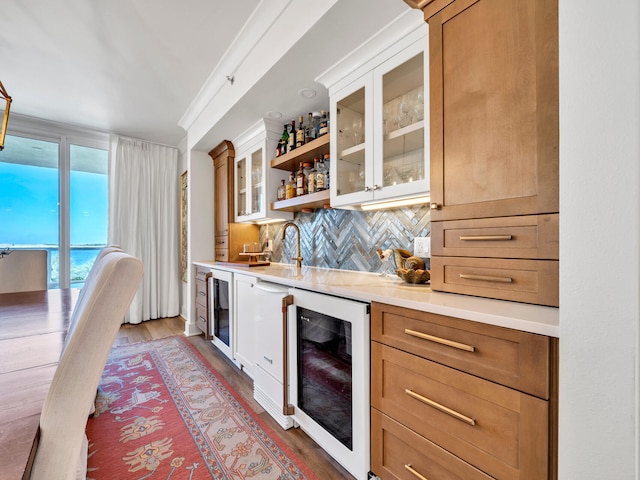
x,y
134,67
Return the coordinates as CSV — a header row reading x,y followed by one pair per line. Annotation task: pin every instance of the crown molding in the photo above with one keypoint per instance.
x,y
399,33
259,23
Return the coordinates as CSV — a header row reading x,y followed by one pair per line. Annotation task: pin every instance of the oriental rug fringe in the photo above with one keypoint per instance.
x,y
163,413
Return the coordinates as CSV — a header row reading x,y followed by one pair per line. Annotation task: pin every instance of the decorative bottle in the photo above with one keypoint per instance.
x,y
300,133
291,187
292,137
281,193
301,181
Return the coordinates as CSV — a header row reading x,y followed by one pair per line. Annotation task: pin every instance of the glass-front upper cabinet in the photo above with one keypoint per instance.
x,y
256,184
380,131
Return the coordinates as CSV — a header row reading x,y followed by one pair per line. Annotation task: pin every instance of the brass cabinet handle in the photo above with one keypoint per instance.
x,y
435,206
487,278
484,238
442,341
440,407
410,469
287,408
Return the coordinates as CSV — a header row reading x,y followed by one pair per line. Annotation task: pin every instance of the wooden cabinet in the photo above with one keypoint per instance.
x,y
452,398
229,236
494,147
202,300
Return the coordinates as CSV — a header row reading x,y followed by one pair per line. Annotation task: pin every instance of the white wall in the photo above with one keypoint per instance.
x,y
599,239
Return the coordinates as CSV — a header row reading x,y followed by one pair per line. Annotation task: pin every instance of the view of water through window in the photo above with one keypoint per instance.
x,y
30,202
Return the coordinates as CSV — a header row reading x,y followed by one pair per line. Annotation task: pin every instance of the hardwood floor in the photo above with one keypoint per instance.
x,y
316,459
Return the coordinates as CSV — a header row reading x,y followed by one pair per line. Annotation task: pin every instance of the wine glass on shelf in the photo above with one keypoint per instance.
x,y
358,134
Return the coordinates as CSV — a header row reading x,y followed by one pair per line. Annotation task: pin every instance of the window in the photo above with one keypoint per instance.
x,y
54,196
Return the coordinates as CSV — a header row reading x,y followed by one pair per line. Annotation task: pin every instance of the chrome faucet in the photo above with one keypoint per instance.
x,y
298,258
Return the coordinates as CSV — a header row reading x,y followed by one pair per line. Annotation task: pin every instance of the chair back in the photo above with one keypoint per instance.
x,y
23,271
61,447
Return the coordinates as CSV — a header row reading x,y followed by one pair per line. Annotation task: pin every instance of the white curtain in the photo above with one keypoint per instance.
x,y
144,221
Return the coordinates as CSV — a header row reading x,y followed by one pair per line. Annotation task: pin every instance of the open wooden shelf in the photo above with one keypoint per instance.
x,y
296,204
290,161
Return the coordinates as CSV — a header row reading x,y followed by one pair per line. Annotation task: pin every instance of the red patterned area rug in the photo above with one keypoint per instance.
x,y
163,413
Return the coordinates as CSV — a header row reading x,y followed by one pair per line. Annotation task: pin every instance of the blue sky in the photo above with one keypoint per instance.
x,y
29,206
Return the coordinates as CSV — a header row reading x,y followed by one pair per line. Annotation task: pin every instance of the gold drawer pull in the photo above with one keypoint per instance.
x,y
440,407
488,278
484,238
409,468
442,341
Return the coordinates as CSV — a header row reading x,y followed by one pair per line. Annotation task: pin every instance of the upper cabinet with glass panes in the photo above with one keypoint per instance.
x,y
255,183
379,119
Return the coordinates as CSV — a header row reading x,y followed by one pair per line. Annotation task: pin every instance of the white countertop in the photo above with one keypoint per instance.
x,y
372,287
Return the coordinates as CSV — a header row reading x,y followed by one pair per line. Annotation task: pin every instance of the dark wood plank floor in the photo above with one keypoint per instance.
x,y
316,459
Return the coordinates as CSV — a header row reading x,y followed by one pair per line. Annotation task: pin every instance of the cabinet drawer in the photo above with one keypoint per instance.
x,y
394,447
222,241
532,236
202,319
501,431
222,254
509,357
201,293
527,281
201,272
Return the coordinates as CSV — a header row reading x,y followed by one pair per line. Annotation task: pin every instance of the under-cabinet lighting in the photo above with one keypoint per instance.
x,y
404,202
266,221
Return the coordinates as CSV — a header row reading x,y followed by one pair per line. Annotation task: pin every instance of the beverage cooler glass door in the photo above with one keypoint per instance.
x,y
221,285
329,375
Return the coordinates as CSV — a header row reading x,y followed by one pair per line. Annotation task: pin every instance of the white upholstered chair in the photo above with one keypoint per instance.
x,y
23,271
60,451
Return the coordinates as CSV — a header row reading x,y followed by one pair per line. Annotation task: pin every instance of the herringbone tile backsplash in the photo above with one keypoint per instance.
x,y
348,239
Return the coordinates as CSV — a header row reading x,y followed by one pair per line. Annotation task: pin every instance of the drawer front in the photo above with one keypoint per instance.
x,y
499,430
201,319
397,452
201,293
532,236
509,357
222,241
527,281
222,255
201,272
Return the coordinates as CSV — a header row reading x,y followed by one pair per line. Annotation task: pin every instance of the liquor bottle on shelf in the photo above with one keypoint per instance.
x,y
321,176
323,124
284,140
300,133
292,137
291,186
311,176
327,170
281,193
310,132
301,181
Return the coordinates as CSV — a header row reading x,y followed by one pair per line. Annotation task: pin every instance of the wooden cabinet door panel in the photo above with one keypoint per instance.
x,y
528,281
527,236
394,447
501,431
494,109
509,357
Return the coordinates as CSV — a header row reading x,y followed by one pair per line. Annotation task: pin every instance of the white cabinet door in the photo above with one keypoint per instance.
x,y
380,127
255,183
245,307
269,328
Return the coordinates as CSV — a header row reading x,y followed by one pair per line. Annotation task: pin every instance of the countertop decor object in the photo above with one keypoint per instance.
x,y
410,275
